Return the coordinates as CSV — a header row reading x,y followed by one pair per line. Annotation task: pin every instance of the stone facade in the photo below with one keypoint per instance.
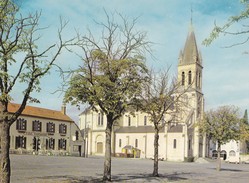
x,y
44,131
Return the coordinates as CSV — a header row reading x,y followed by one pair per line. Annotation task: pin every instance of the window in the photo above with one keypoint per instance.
x,y
100,119
174,145
120,143
189,77
37,126
136,143
199,81
50,143
232,153
62,144
183,78
50,127
62,128
189,144
21,124
20,142
145,120
129,121
76,135
36,143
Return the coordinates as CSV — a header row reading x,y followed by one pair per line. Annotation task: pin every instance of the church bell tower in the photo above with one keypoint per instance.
x,y
190,78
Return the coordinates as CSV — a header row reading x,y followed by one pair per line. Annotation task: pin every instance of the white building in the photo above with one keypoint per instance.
x,y
177,140
230,151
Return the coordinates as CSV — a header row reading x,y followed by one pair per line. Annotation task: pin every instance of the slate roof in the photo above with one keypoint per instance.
x,y
138,129
190,53
40,112
175,129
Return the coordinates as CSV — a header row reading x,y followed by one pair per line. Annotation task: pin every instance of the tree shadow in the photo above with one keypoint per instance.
x,y
117,178
174,177
228,170
70,179
149,178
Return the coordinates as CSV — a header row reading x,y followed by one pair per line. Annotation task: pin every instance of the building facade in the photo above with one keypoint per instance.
x,y
44,131
177,140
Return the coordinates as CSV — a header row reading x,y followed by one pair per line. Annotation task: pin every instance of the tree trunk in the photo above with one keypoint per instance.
x,y
156,138
107,163
218,158
5,159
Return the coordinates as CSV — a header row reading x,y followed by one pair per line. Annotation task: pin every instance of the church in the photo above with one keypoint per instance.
x,y
177,140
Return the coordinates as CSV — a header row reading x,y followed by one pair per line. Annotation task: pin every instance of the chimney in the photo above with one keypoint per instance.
x,y
63,109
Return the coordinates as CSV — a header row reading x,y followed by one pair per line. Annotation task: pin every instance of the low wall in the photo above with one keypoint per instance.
x,y
244,157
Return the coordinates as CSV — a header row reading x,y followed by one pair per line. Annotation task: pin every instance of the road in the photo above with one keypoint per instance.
x,y
53,169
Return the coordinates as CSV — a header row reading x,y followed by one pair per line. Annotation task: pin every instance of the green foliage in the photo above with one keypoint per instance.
x,y
221,125
112,74
113,69
241,18
112,86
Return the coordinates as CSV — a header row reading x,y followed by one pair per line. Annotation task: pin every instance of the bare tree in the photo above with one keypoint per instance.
x,y
162,100
19,36
112,72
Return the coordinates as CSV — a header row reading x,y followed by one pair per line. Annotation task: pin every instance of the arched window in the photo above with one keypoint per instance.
x,y
183,78
189,77
145,120
129,121
76,135
232,153
100,118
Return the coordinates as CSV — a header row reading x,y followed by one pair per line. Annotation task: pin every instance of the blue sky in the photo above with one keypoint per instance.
x,y
225,73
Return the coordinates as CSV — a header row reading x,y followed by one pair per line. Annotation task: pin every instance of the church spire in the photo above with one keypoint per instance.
x,y
190,52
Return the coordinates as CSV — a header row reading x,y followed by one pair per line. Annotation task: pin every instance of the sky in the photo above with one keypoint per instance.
x,y
225,72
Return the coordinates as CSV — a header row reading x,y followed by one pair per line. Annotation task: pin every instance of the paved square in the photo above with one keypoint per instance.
x,y
52,169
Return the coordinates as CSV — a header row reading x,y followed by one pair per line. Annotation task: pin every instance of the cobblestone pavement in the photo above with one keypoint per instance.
x,y
58,169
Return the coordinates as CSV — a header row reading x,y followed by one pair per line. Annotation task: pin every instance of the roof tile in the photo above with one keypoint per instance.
x,y
39,112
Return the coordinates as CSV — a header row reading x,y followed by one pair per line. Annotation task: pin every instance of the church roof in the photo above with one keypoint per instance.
x,y
137,129
190,53
40,112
